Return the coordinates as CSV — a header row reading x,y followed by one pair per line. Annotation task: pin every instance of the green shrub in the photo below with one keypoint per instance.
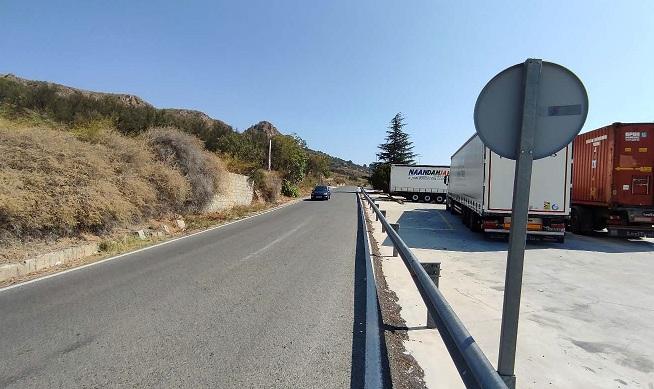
x,y
289,189
289,156
380,175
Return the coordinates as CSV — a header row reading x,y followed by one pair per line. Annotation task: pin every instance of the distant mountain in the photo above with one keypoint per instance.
x,y
130,113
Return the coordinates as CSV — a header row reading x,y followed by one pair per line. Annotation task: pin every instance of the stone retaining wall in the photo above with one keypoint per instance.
x,y
234,190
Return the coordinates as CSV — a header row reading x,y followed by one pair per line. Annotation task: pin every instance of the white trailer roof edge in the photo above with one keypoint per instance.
x,y
408,165
464,145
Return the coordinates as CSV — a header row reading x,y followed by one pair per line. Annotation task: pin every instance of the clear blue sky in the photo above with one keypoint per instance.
x,y
335,72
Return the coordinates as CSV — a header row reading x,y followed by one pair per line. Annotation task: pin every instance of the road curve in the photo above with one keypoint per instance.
x,y
273,301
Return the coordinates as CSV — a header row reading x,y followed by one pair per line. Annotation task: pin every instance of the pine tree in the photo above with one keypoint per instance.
x,y
398,148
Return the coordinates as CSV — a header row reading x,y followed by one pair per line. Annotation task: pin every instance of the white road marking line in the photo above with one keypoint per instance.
x,y
274,242
145,248
445,220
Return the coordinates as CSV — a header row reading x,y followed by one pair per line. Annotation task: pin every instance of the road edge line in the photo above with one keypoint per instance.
x,y
149,247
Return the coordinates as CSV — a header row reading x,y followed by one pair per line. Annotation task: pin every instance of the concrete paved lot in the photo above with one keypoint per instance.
x,y
587,318
271,302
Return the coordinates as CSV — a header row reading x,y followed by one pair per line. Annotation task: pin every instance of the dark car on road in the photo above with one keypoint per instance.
x,y
321,192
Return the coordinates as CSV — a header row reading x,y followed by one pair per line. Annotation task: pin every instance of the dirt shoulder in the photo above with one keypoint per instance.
x,y
405,371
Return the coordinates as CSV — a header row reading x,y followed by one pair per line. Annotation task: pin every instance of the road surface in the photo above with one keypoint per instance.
x,y
272,301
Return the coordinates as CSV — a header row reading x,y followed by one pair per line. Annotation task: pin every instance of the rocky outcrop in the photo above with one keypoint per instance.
x,y
264,127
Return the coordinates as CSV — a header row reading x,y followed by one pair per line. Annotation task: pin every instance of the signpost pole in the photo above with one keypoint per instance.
x,y
519,219
269,152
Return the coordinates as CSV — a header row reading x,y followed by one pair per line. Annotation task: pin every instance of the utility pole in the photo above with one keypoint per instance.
x,y
269,152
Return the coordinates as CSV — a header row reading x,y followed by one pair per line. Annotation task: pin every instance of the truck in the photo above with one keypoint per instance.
x,y
419,182
481,191
612,180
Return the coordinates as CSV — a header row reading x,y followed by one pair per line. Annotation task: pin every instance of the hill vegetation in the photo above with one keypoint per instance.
x,y
130,115
75,162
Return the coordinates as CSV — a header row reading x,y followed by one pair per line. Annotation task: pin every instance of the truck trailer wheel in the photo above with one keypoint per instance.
x,y
440,199
474,222
580,221
465,217
415,197
426,198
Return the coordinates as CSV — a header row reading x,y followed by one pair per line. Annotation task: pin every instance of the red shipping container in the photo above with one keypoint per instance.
x,y
612,166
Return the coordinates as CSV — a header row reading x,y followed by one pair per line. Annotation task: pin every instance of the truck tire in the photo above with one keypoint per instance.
x,y
415,197
440,199
474,222
599,224
580,221
426,198
450,204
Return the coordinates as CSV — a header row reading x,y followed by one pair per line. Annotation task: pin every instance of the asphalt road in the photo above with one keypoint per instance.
x,y
272,301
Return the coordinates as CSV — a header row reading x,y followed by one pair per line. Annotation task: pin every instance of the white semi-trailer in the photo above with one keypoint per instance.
x,y
481,191
419,182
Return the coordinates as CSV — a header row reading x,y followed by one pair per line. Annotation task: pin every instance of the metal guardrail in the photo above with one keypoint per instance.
x,y
373,377
474,368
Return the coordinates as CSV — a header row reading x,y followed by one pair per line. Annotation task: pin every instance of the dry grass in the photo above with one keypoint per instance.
x,y
194,222
186,154
92,179
270,187
52,183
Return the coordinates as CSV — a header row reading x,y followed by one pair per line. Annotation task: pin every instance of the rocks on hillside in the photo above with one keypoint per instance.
x,y
63,90
265,127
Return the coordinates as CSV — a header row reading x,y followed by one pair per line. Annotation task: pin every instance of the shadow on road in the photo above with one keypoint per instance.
x,y
437,229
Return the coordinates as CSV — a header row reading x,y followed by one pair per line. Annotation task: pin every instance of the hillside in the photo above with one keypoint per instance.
x,y
132,115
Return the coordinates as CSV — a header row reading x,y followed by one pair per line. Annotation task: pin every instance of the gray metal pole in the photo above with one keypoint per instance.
x,y
269,153
519,218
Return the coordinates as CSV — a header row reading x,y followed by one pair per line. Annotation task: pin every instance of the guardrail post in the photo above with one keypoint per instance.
x,y
433,270
396,227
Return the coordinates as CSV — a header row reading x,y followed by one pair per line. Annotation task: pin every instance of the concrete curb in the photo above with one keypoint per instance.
x,y
46,261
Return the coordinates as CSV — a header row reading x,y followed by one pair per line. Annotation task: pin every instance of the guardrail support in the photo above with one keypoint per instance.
x,y
433,270
396,227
